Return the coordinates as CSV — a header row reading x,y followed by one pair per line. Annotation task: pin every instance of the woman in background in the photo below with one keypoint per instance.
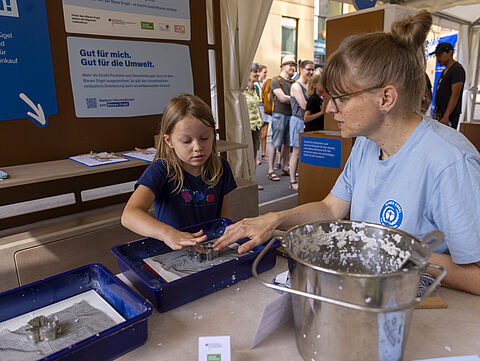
x,y
298,101
253,101
315,110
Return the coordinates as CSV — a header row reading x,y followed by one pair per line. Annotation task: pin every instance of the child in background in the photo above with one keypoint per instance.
x,y
187,183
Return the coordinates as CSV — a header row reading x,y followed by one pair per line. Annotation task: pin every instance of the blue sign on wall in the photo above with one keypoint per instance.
x,y
323,152
26,71
364,4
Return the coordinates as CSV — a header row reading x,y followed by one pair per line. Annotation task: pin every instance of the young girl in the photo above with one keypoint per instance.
x,y
188,183
315,110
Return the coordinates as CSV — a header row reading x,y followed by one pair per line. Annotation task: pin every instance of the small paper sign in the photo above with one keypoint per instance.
x,y
214,348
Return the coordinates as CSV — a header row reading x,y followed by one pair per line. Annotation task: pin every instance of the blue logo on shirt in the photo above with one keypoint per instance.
x,y
391,214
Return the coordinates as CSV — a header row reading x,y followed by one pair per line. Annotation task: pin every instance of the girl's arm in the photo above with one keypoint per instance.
x,y
136,218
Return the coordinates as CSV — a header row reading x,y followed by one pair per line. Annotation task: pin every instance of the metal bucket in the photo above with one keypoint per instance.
x,y
351,300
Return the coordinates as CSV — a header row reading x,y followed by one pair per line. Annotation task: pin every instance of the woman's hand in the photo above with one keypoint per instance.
x,y
258,229
177,239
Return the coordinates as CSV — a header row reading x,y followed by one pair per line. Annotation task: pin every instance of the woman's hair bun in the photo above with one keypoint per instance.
x,y
412,31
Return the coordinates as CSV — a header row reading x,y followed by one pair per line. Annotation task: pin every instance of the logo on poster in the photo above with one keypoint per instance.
x,y
9,8
163,27
179,29
391,214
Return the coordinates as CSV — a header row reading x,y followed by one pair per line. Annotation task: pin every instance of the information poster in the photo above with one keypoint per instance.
x,y
118,78
158,19
28,88
323,152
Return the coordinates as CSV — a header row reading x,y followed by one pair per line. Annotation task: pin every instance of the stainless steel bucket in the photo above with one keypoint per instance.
x,y
351,301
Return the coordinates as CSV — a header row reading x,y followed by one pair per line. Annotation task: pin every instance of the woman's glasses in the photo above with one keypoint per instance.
x,y
349,95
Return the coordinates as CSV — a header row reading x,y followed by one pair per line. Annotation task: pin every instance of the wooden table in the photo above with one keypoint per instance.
x,y
235,311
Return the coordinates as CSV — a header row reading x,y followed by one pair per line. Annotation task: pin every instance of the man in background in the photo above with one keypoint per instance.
x,y
282,112
448,97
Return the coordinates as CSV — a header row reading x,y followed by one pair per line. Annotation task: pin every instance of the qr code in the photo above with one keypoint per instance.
x,y
91,103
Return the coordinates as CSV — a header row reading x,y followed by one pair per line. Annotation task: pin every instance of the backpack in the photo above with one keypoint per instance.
x,y
268,98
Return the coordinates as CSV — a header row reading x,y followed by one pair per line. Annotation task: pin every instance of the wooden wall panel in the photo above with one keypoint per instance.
x,y
23,142
343,27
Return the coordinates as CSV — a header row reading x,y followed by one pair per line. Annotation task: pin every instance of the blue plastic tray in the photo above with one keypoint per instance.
x,y
166,296
106,345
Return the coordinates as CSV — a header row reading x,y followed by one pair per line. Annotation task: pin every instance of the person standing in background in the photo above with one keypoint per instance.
x,y
298,100
448,97
255,117
266,117
281,114
315,110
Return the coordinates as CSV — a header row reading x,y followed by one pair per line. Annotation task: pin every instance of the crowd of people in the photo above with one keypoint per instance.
x,y
295,104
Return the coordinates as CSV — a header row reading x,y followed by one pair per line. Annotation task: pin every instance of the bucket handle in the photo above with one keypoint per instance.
x,y
354,306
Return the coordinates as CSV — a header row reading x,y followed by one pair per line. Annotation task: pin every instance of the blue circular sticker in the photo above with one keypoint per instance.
x,y
391,214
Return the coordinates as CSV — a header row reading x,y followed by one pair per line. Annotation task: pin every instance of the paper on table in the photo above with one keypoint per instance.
x,y
3,175
214,348
454,358
275,314
146,155
98,159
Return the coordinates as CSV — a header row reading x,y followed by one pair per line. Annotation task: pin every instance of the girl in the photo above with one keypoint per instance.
x,y
255,117
298,101
315,107
188,183
406,170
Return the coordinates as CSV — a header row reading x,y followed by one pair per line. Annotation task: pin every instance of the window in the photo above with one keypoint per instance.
x,y
289,36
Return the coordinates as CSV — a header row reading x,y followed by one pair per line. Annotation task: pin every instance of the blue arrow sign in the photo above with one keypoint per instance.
x,y
26,62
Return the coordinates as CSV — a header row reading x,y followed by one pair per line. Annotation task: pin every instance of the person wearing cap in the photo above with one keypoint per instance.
x,y
448,98
281,114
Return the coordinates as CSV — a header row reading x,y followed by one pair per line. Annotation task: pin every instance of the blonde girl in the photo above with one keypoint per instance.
x,y
187,183
406,170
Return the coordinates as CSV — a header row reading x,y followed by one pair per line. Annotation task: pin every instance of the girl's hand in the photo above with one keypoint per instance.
x,y
258,229
177,239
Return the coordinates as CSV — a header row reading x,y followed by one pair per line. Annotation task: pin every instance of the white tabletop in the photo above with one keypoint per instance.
x,y
235,312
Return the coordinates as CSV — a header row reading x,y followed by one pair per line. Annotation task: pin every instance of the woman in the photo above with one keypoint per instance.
x,y
405,171
298,101
262,78
315,109
254,114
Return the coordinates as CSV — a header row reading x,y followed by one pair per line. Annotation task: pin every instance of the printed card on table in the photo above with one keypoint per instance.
x,y
93,160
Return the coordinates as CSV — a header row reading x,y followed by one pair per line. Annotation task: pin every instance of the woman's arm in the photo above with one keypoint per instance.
x,y
260,229
308,117
298,95
136,218
465,277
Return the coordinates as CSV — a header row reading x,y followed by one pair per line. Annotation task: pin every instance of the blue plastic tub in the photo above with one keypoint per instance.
x,y
106,345
166,296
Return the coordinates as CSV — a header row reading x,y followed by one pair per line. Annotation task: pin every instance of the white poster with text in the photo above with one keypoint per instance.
x,y
119,78
156,19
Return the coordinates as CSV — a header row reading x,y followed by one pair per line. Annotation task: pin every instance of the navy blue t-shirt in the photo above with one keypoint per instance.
x,y
196,202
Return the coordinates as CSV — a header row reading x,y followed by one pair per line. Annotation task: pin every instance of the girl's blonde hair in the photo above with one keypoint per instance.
x,y
381,59
177,109
311,89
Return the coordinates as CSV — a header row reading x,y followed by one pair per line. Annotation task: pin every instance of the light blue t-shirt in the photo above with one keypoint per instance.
x,y
432,182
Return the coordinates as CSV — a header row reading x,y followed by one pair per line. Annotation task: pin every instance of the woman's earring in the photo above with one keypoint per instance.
x,y
384,111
